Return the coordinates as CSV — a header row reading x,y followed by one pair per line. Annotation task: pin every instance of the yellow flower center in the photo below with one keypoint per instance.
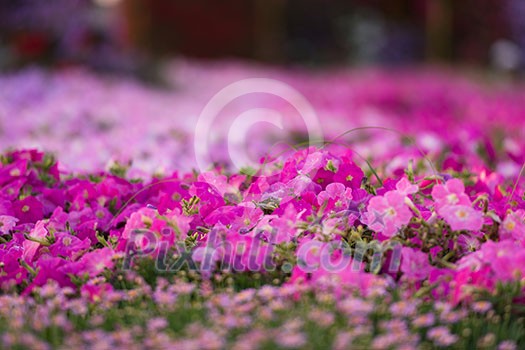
x,y
391,211
461,214
66,241
510,225
452,198
147,221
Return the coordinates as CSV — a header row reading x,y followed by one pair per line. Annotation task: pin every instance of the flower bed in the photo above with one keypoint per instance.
x,y
383,242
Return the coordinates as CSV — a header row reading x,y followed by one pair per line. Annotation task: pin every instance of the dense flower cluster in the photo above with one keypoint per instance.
x,y
420,244
427,235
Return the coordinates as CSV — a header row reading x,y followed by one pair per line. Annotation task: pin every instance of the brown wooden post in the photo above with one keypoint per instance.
x,y
138,17
268,29
438,30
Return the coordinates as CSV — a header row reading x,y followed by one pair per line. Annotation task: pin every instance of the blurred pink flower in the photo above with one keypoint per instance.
x,y
513,226
388,214
415,264
7,223
405,187
451,193
462,217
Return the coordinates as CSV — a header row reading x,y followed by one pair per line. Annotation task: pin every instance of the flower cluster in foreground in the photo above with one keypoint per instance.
x,y
317,252
407,231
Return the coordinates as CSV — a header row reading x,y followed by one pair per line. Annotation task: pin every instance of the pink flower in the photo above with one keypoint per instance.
x,y
209,198
69,246
441,336
95,292
405,187
335,197
466,278
349,174
239,218
493,262
338,280
506,259
462,217
51,268
415,264
220,182
39,232
96,261
7,223
12,271
280,228
514,226
388,213
142,218
452,193
507,345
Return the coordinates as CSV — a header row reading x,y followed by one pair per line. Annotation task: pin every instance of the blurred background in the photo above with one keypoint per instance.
x,y
99,82
130,36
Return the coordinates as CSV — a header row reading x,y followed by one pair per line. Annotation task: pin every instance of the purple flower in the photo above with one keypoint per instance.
x,y
441,336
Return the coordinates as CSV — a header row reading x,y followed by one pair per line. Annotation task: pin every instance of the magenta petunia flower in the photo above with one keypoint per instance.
x,y
69,246
51,268
96,261
338,280
13,171
239,218
12,271
95,292
209,198
28,210
349,174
